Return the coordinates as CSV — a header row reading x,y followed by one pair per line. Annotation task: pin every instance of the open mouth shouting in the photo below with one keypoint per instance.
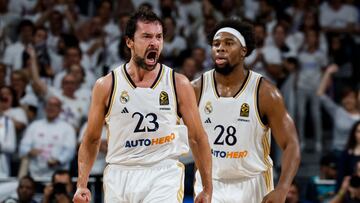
x,y
151,57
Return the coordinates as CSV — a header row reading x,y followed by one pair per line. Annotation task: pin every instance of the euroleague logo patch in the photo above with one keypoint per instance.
x,y
164,98
244,110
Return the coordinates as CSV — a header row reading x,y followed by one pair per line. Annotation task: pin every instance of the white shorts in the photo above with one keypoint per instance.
x,y
250,190
157,184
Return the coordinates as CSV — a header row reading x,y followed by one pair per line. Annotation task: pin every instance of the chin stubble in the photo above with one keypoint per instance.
x,y
226,70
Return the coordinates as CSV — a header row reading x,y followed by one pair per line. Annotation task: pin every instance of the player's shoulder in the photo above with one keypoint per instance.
x,y
105,82
269,95
197,82
181,80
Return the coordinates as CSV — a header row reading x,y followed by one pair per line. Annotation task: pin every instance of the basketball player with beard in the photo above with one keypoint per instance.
x,y
141,103
239,110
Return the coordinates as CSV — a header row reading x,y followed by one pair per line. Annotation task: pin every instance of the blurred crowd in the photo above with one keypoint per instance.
x,y
52,51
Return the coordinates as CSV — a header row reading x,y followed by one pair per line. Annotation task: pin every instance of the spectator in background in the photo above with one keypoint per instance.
x,y
60,190
11,108
343,115
293,195
74,106
8,22
338,17
173,43
2,74
351,154
255,61
350,188
297,10
13,56
189,69
50,142
310,21
7,142
321,188
25,191
311,60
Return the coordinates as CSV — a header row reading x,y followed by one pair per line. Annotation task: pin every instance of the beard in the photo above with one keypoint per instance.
x,y
141,63
226,70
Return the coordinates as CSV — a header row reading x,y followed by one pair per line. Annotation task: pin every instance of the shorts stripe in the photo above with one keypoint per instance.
x,y
180,194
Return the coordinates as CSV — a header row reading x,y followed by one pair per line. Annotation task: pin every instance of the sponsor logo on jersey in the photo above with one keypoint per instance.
x,y
208,108
124,110
229,155
124,97
208,120
244,110
164,98
149,142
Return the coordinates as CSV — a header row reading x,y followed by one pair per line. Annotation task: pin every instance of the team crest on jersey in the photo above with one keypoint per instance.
x,y
164,98
244,110
124,97
208,108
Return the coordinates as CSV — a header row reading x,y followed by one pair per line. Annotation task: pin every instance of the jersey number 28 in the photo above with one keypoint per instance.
x,y
230,137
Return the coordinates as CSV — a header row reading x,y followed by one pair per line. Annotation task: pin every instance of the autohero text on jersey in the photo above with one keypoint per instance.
x,y
149,142
229,155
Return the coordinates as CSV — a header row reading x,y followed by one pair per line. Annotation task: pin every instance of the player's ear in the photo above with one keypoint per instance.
x,y
129,43
243,51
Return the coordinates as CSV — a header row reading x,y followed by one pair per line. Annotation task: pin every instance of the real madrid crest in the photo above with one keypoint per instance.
x,y
124,97
208,108
164,98
244,110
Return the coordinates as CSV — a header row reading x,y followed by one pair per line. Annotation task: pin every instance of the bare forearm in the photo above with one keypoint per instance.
x,y
202,157
87,155
323,84
289,165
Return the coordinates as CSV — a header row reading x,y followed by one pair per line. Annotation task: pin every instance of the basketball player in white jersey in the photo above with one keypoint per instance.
x,y
140,103
238,109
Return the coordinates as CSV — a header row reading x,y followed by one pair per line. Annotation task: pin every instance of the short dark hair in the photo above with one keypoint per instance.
x,y
31,179
60,172
144,15
244,28
25,23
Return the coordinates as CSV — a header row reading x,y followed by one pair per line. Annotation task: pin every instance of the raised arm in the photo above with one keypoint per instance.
x,y
92,138
272,107
331,69
39,86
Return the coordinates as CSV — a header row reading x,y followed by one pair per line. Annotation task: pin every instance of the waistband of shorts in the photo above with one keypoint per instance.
x,y
163,163
238,179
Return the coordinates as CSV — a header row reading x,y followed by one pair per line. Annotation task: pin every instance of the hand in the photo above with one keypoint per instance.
x,y
275,196
82,195
333,68
48,190
31,51
203,197
34,152
345,184
53,163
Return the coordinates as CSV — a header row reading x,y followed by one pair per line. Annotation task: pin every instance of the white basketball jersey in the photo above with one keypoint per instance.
x,y
142,123
240,142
